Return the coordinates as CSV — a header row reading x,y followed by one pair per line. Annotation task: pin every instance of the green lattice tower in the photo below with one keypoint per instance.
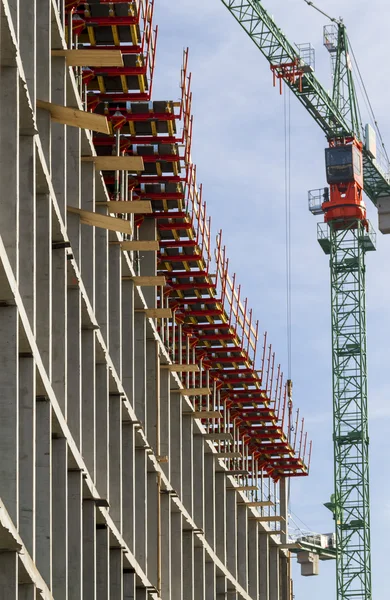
x,y
350,502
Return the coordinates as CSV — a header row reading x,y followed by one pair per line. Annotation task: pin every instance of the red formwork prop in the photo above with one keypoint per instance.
x,y
212,324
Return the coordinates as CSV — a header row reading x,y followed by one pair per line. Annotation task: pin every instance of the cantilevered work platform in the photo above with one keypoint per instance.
x,y
144,451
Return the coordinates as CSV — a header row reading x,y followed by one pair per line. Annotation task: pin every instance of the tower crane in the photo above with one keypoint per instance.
x,y
346,235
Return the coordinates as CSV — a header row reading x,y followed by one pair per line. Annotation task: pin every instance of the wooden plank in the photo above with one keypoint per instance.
x,y
156,313
140,245
204,414
181,368
91,58
195,391
103,221
116,163
227,455
75,117
150,281
135,207
218,436
269,519
260,504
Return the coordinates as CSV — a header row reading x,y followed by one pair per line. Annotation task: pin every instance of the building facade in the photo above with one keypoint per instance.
x,y
127,470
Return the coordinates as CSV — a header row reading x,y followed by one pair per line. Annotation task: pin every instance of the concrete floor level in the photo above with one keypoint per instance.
x,y
109,488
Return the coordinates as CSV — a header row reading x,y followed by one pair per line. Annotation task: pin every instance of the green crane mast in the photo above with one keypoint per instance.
x,y
345,236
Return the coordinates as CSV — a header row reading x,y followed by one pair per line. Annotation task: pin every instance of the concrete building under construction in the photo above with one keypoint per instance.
x,y
145,450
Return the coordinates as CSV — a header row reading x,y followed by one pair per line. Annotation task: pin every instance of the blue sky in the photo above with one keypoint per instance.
x,y
238,146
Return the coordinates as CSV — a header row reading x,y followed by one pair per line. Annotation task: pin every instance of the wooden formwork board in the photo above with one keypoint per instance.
x,y
91,58
146,281
181,368
156,313
116,163
135,245
75,117
103,221
195,391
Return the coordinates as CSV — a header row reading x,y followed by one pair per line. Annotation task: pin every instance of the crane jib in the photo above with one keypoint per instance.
x,y
277,49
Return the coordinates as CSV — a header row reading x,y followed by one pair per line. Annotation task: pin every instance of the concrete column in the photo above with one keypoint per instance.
x,y
176,556
274,574
116,569
211,581
73,187
26,591
140,507
89,549
27,45
88,404
175,456
140,367
128,483
166,545
264,566
210,490
27,218
253,553
165,411
187,466
285,583
199,572
43,71
59,327
128,586
27,458
115,459
101,279
74,364
44,491
87,265
128,339
9,160
283,497
188,565
59,133
75,535
148,260
9,421
198,486
231,531
141,594
9,575
152,528
102,563
60,518
43,279
102,420
220,516
152,393
242,545
221,587
115,305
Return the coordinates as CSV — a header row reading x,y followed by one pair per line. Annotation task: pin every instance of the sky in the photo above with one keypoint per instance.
x,y
238,146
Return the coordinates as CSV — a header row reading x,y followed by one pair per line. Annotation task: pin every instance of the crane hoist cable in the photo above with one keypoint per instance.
x,y
322,12
287,205
287,208
366,99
